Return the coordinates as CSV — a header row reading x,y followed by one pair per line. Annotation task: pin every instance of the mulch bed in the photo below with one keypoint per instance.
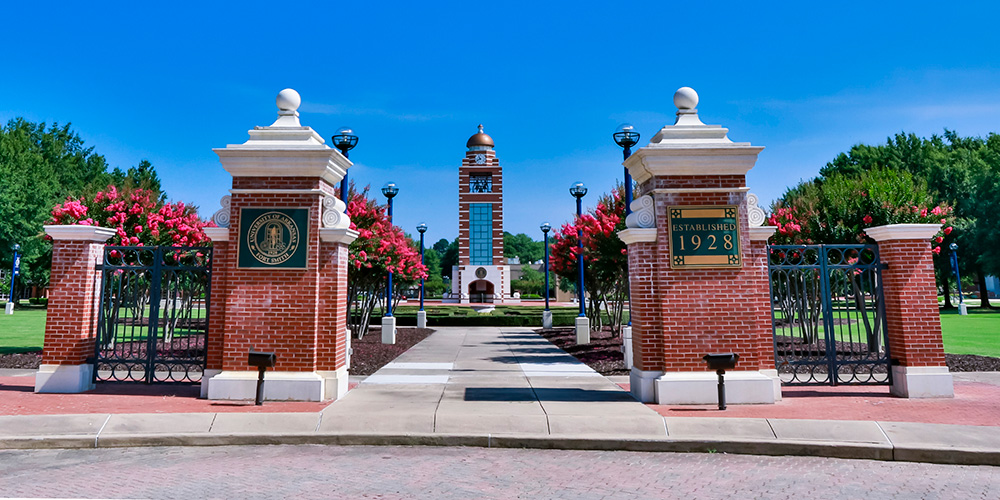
x,y
603,353
370,353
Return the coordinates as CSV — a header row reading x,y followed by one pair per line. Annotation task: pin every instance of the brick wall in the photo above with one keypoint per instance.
x,y
679,315
296,313
71,320
911,308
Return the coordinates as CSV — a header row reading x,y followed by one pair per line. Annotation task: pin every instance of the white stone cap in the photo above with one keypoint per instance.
x,y
761,233
637,235
337,235
217,233
903,232
689,147
79,232
285,148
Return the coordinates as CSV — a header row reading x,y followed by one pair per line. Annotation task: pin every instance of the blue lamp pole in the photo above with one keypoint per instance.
x,y
422,228
344,140
546,227
15,270
578,190
626,137
389,190
958,278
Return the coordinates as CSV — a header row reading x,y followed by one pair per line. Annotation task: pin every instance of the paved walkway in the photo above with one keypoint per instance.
x,y
493,387
490,381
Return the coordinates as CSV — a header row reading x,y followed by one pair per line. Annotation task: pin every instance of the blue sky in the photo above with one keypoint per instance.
x,y
550,81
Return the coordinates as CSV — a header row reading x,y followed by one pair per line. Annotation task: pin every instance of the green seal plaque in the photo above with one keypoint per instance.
x,y
704,236
273,237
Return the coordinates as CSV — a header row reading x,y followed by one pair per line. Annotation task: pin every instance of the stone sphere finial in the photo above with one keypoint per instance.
x,y
686,98
288,100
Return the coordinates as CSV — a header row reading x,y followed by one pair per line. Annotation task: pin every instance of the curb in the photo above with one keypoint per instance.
x,y
865,451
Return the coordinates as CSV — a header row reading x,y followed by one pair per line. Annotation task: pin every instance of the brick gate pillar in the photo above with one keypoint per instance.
x,y
71,317
697,266
279,276
911,311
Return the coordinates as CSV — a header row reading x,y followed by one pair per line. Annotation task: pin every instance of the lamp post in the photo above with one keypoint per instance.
x,y
547,314
578,190
626,137
389,322
962,308
344,140
16,269
421,314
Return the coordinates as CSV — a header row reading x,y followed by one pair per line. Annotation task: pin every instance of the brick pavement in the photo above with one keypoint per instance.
x,y
314,471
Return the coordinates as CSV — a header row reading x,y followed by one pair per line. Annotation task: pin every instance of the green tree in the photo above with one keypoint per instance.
x,y
523,247
449,258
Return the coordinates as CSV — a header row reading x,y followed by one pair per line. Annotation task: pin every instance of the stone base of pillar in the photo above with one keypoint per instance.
x,y
334,383
421,319
642,384
546,320
64,379
922,382
388,329
9,308
701,388
627,345
347,347
963,310
582,330
206,377
231,385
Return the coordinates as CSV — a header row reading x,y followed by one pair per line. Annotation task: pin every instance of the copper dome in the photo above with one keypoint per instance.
x,y
480,139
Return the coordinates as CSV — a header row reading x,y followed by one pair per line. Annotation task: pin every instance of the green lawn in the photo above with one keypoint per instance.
x,y
977,333
22,331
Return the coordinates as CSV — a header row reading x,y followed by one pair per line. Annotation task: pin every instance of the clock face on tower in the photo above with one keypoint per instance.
x,y
480,159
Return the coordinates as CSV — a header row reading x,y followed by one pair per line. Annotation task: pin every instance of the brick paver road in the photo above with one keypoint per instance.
x,y
313,471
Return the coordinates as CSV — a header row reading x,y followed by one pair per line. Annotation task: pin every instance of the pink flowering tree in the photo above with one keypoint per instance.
x,y
380,248
139,219
605,259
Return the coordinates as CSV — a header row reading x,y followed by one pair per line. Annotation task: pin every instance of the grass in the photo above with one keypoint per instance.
x,y
22,331
977,333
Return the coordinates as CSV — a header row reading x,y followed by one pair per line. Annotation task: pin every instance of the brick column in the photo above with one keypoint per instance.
x,y
72,312
684,310
222,261
911,311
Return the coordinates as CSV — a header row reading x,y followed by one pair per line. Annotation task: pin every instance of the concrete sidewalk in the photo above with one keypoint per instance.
x,y
506,388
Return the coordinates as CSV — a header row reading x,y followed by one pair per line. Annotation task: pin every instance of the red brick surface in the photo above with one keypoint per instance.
x,y
72,312
911,307
679,315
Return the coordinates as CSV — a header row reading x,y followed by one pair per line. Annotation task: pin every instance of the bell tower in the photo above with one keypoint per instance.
x,y
480,275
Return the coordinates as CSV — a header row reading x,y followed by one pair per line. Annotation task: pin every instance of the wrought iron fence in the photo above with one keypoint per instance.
x,y
153,314
828,314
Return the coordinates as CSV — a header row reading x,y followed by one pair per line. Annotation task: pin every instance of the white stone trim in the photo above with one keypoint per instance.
x,y
692,159
701,388
78,232
922,382
637,235
755,214
318,192
217,233
643,213
762,233
335,383
337,235
642,384
335,214
743,189
903,232
323,162
278,386
64,379
388,329
222,215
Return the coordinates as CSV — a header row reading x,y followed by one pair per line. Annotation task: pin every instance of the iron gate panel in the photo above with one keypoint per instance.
x,y
828,314
152,318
